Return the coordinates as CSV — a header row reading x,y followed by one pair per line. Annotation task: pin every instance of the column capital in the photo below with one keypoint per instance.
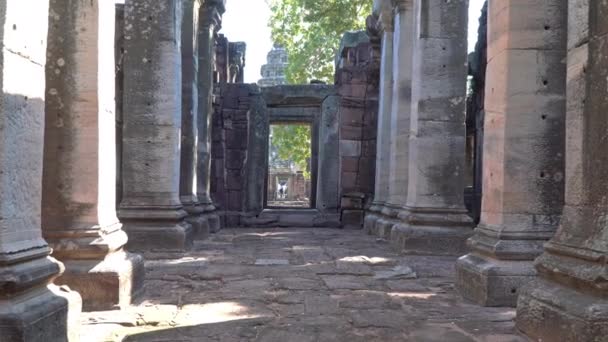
x,y
211,13
383,12
402,5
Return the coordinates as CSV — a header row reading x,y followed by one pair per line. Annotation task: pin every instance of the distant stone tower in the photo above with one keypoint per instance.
x,y
273,72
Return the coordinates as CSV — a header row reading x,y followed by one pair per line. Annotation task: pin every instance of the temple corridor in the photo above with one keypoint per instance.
x,y
299,285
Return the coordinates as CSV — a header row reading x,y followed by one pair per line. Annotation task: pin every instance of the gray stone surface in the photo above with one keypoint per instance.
x,y
524,130
189,125
209,23
151,210
78,213
570,300
31,308
328,171
217,292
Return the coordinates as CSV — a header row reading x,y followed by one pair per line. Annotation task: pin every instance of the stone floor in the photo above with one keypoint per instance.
x,y
293,285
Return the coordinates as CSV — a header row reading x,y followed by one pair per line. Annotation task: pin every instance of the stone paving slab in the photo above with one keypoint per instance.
x,y
289,285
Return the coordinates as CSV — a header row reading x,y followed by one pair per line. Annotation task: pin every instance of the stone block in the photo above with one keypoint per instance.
x,y
235,159
234,180
552,312
351,132
350,148
348,181
492,282
352,219
110,284
350,164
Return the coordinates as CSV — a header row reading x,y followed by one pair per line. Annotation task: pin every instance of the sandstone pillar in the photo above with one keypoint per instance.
x,y
523,155
436,220
403,37
209,23
151,210
383,10
78,188
31,308
189,156
569,299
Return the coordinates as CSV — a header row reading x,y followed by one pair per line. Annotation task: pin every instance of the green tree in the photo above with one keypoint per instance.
x,y
293,142
310,31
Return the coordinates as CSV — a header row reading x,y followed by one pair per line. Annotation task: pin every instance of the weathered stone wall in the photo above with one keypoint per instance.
x,y
357,83
231,149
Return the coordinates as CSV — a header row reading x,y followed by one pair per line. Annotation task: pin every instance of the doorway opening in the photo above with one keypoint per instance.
x,y
289,175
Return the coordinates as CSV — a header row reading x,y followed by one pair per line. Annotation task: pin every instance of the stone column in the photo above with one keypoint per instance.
x,y
383,10
403,38
569,299
151,210
189,156
436,220
31,308
78,188
523,155
209,23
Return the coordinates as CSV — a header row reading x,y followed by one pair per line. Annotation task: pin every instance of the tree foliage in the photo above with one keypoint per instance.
x,y
310,31
293,142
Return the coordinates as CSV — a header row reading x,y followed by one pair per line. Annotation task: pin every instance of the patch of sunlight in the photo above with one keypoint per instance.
x,y
415,295
185,260
194,314
378,261
306,248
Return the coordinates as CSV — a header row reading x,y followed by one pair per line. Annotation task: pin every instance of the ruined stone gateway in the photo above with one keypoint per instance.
x,y
451,197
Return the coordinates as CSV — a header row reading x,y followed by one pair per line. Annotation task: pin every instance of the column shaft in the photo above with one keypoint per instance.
x,y
403,38
569,300
523,156
383,9
78,188
209,24
151,210
189,156
31,308
435,220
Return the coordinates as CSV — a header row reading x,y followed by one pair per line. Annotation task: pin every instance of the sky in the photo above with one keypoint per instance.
x,y
247,21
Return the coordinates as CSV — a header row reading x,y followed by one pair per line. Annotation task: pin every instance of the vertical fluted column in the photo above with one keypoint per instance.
x,y
403,38
569,299
31,308
523,156
189,156
383,11
78,189
151,210
436,220
209,23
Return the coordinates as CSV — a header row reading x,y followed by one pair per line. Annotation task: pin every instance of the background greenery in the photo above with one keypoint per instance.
x,y
310,31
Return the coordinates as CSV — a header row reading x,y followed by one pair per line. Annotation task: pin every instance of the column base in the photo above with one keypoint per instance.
x,y
200,226
199,223
548,311
45,314
369,222
432,231
105,285
151,229
213,221
492,282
